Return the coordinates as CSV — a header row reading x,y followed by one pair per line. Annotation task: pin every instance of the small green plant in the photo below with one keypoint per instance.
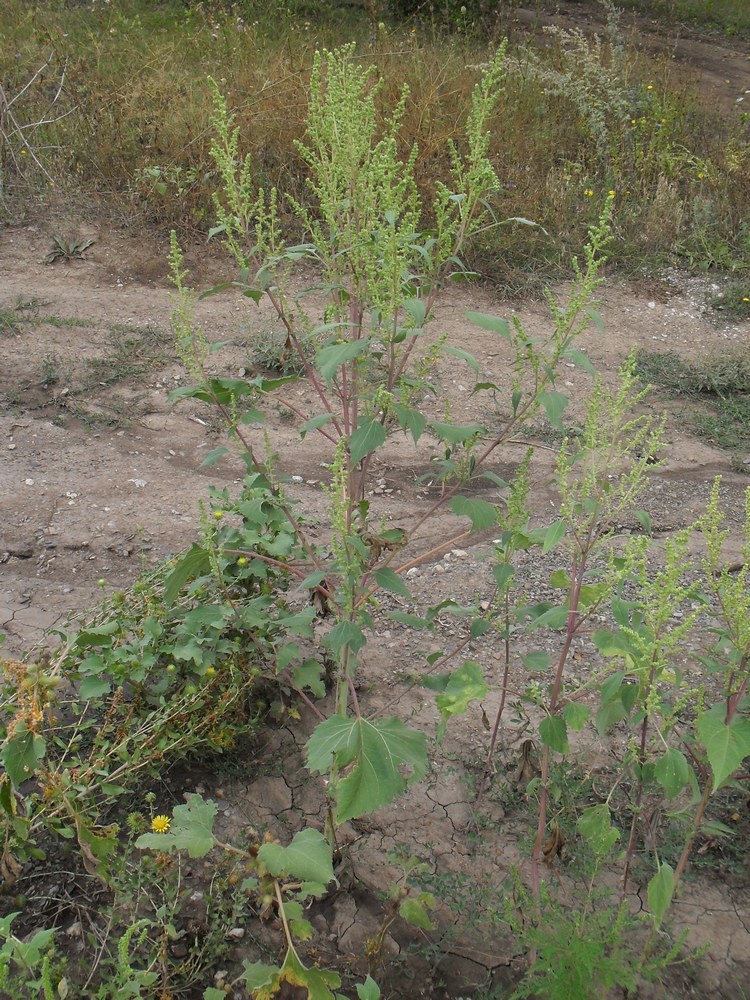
x,y
28,966
280,878
50,371
270,354
68,249
188,643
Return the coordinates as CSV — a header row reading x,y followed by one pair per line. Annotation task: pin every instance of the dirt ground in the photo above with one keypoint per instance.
x,y
101,475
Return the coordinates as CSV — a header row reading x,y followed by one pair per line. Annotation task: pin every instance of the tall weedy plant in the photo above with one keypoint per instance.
x,y
366,357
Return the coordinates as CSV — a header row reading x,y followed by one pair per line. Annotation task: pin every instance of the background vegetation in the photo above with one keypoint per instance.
x,y
112,100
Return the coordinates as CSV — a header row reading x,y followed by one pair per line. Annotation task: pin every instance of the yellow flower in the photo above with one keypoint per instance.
x,y
218,514
160,824
242,561
611,193
210,671
745,298
589,193
632,121
700,175
650,87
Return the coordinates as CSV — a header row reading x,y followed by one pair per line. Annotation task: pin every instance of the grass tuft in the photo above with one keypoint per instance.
x,y
720,384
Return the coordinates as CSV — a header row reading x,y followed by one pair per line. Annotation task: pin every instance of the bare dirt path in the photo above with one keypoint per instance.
x,y
719,66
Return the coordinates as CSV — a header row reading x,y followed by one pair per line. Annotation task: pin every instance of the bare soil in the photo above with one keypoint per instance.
x,y
101,475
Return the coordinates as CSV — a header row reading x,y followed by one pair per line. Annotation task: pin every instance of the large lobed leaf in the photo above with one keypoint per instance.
x,y
374,754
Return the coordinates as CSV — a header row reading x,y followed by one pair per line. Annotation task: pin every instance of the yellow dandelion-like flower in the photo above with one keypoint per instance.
x,y
650,87
218,514
210,671
611,193
160,824
632,121
242,561
700,175
588,193
745,298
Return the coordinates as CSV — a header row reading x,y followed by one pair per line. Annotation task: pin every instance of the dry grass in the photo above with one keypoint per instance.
x,y
134,79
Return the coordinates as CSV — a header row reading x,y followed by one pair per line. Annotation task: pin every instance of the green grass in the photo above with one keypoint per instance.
x,y
733,301
575,122
720,386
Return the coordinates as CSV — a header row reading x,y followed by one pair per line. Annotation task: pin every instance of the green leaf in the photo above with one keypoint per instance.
x,y
492,323
415,911
672,771
213,457
554,618
458,689
621,612
503,574
553,535
207,616
553,732
314,423
579,358
660,891
493,477
726,746
413,621
211,993
191,830
644,519
368,990
258,975
481,513
310,675
331,358
94,687
595,826
480,626
308,857
389,580
377,752
592,593
368,437
194,563
410,420
575,715
559,579
30,952
596,318
22,754
615,644
455,433
417,310
457,352
554,404
345,634
537,660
